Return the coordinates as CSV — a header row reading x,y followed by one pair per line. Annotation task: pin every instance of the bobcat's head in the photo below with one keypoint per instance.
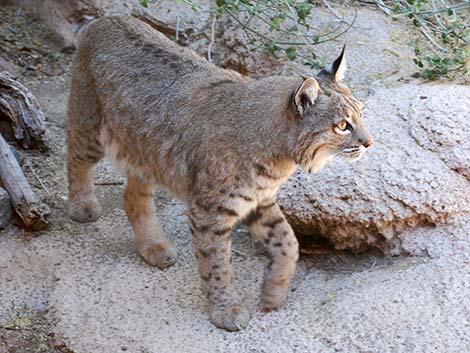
x,y
329,119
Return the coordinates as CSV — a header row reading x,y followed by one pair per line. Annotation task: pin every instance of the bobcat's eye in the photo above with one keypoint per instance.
x,y
342,125
343,128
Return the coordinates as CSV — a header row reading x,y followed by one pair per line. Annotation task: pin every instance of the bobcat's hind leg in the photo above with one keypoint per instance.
x,y
152,244
83,205
84,150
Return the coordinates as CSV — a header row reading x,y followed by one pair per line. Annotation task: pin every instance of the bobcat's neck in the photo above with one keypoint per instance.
x,y
272,128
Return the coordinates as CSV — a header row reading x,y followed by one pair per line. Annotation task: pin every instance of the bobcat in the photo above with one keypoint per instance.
x,y
220,141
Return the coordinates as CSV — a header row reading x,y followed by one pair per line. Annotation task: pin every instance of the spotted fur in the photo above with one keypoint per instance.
x,y
220,141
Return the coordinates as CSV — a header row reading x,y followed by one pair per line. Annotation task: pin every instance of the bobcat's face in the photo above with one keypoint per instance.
x,y
330,122
356,139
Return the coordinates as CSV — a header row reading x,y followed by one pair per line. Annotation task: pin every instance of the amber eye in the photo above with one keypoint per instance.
x,y
343,128
342,125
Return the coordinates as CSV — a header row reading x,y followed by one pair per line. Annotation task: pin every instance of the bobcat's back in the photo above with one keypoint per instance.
x,y
222,142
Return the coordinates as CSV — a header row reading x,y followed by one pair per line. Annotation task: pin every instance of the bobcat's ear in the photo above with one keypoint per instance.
x,y
337,68
305,95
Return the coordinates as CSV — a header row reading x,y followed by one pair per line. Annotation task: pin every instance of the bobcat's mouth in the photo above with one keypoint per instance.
x,y
352,154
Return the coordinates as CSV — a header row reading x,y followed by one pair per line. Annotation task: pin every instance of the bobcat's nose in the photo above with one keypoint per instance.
x,y
366,142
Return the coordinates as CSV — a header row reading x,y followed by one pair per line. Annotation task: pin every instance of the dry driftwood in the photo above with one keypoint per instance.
x,y
6,213
20,109
32,212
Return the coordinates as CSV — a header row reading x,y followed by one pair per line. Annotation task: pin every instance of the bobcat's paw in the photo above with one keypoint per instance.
x,y
85,210
270,303
232,318
161,255
273,294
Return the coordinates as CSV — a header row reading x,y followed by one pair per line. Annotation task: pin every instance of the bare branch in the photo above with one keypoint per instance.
x,y
211,44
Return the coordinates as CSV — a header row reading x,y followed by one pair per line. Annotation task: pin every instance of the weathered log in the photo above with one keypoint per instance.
x,y
32,212
6,212
20,109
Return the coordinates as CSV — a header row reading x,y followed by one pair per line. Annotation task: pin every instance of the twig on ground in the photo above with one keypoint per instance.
x,y
177,32
333,11
431,40
56,124
106,183
211,44
38,179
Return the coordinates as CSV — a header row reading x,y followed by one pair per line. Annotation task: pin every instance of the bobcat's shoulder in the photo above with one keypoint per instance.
x,y
220,141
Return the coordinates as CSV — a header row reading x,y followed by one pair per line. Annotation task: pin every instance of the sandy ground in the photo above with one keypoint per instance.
x,y
83,288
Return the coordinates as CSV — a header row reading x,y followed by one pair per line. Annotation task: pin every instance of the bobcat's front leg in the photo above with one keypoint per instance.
x,y
152,243
269,226
211,235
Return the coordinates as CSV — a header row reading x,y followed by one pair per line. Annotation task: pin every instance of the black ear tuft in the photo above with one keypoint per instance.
x,y
339,60
337,68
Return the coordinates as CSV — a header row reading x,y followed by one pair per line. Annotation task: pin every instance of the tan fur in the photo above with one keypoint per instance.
x,y
221,142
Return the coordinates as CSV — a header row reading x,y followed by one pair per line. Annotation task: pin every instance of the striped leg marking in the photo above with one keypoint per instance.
x,y
211,230
269,226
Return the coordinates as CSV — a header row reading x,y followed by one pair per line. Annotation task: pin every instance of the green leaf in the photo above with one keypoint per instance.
x,y
276,21
272,47
418,63
303,10
446,61
291,53
144,3
445,38
430,75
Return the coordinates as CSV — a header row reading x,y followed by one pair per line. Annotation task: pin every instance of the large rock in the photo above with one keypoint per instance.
x,y
368,58
417,173
65,18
